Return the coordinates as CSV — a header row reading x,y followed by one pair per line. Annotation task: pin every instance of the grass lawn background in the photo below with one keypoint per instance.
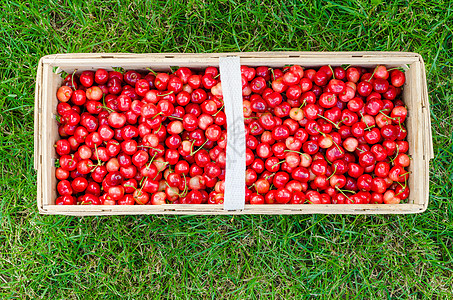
x,y
313,256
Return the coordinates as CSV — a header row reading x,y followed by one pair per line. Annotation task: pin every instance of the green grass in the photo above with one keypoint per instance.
x,y
193,257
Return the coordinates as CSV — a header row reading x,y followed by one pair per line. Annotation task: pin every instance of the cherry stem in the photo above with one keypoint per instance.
x,y
142,180
294,151
160,126
404,174
303,103
382,113
269,176
280,162
215,77
398,119
142,185
320,132
160,113
106,108
333,173
368,126
72,78
201,147
395,68
129,185
173,189
342,192
219,110
400,192
324,135
149,147
335,143
360,150
397,153
404,187
97,154
333,73
160,169
330,121
151,161
186,188
272,72
152,71
165,94
175,118
375,69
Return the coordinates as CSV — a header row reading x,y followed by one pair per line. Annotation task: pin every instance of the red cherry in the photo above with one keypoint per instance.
x,y
364,88
64,188
391,198
64,93
283,196
382,169
94,93
101,76
397,173
313,197
256,199
161,81
65,200
402,160
397,78
373,136
87,78
336,86
301,174
379,152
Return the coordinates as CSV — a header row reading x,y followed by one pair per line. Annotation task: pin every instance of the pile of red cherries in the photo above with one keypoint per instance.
x,y
331,135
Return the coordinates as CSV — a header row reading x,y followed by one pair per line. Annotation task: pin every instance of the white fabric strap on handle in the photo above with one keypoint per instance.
x,y
230,75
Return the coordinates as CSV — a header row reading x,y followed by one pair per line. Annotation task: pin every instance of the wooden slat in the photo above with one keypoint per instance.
x,y
37,115
47,130
420,146
162,64
427,110
206,209
410,125
39,196
276,54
